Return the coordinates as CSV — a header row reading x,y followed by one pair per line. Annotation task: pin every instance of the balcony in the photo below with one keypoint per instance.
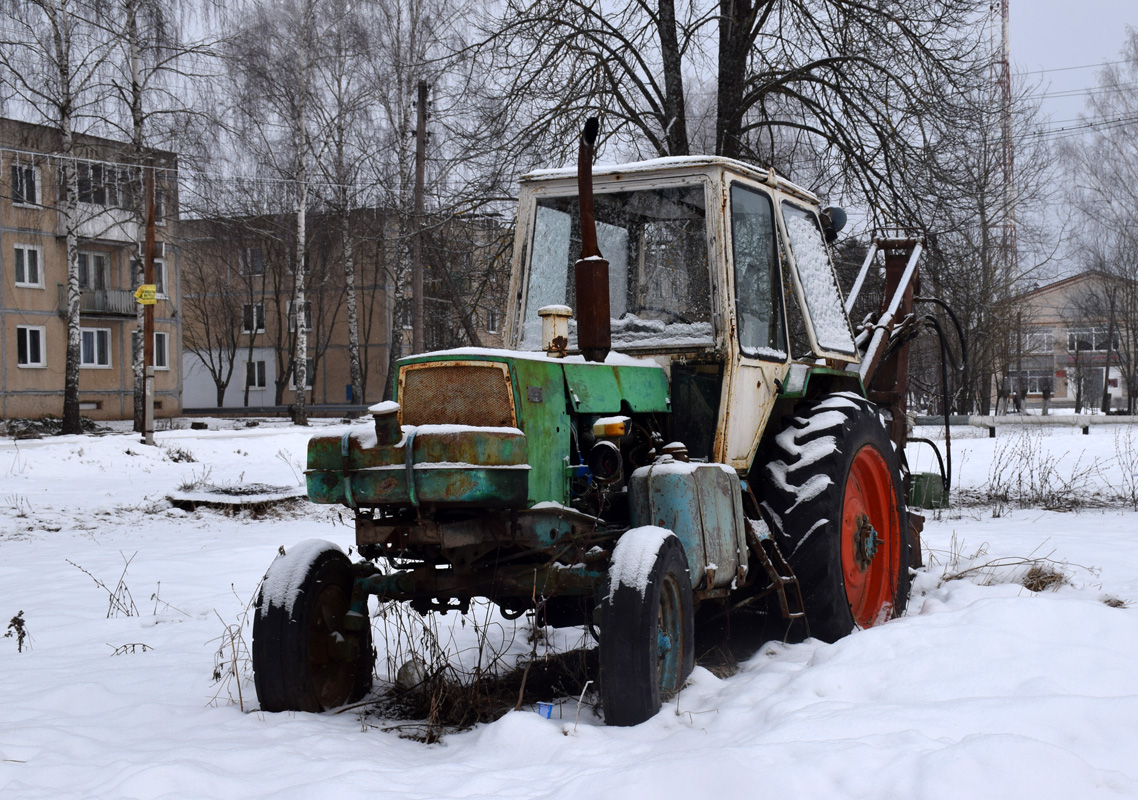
x,y
104,224
100,302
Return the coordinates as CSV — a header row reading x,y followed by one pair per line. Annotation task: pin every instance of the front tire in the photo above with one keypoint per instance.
x,y
833,492
647,647
306,657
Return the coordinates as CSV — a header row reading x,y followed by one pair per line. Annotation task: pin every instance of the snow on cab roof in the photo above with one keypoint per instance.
x,y
614,358
606,170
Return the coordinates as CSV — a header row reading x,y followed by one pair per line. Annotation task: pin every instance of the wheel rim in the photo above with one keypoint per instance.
x,y
330,665
669,638
871,538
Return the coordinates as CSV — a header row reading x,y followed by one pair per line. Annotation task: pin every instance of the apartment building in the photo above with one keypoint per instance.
x,y
33,276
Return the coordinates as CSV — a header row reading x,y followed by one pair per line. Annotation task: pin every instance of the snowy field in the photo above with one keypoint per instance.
x,y
984,689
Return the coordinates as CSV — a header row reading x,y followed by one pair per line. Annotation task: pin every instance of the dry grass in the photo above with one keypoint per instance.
x,y
1041,577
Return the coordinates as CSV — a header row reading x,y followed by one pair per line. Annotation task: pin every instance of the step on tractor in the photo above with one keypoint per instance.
x,y
685,418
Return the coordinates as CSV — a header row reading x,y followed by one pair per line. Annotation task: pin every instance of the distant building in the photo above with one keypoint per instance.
x,y
239,284
1072,345
33,276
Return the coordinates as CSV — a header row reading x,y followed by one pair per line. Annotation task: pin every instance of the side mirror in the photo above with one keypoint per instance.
x,y
833,220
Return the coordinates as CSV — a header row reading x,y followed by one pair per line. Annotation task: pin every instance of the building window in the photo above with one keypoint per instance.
x,y
254,262
408,316
30,350
255,374
28,261
307,316
161,350
93,271
159,278
1040,342
253,318
309,368
1034,381
25,185
92,188
95,347
491,320
1090,340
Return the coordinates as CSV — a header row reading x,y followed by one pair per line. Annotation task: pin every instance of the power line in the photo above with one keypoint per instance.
x,y
1068,69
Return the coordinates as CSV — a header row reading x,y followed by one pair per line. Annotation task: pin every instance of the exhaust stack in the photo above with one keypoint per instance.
x,y
591,273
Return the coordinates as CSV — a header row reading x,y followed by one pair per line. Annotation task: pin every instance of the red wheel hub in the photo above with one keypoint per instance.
x,y
871,538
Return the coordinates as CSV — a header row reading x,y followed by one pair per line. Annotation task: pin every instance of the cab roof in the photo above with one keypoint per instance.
x,y
676,164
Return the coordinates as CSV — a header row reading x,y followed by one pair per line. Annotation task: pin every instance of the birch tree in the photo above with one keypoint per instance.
x,y
154,56
54,57
277,53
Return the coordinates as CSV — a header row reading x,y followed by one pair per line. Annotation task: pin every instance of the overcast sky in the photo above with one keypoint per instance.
x,y
1057,34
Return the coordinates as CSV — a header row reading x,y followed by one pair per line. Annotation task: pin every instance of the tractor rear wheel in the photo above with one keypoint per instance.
x,y
647,626
306,657
833,491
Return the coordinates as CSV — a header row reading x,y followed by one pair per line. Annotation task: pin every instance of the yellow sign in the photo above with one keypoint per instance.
x,y
145,294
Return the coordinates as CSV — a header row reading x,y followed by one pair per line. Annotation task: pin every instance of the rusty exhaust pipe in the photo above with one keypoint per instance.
x,y
591,273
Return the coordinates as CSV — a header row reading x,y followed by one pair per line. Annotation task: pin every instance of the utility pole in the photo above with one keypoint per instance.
x,y
417,340
148,322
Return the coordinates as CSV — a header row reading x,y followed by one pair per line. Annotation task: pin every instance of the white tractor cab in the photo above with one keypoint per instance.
x,y
718,271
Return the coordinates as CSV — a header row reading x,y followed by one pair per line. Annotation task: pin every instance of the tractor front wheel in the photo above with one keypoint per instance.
x,y
647,626
834,494
308,653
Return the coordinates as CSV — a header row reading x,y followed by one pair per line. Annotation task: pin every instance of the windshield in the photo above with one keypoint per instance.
x,y
655,241
819,287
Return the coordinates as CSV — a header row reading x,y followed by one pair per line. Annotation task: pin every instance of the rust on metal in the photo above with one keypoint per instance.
x,y
457,393
591,273
890,383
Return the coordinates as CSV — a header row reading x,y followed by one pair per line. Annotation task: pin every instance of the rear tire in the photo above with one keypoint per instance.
x,y
833,492
304,657
647,645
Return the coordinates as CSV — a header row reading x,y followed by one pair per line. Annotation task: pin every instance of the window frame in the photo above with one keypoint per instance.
x,y
41,332
255,318
160,288
92,257
309,368
34,248
307,316
492,322
250,266
163,350
777,325
19,185
260,374
97,333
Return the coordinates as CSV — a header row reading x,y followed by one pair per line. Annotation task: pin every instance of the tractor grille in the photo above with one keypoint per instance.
x,y
457,394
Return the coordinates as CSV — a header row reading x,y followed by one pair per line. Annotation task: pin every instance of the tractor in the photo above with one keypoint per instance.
x,y
685,418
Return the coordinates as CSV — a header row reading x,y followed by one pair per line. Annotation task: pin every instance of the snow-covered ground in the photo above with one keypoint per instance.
x,y
984,689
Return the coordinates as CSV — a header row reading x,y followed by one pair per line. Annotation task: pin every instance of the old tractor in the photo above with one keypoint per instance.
x,y
709,429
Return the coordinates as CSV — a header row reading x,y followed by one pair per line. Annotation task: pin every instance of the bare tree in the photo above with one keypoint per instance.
x,y
212,302
1105,169
278,52
989,238
841,89
157,64
54,56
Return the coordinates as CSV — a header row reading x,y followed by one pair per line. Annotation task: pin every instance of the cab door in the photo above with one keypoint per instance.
x,y
759,356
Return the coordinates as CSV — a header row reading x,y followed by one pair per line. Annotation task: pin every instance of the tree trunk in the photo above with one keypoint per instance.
x,y
735,20
300,412
353,314
134,46
62,42
675,124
